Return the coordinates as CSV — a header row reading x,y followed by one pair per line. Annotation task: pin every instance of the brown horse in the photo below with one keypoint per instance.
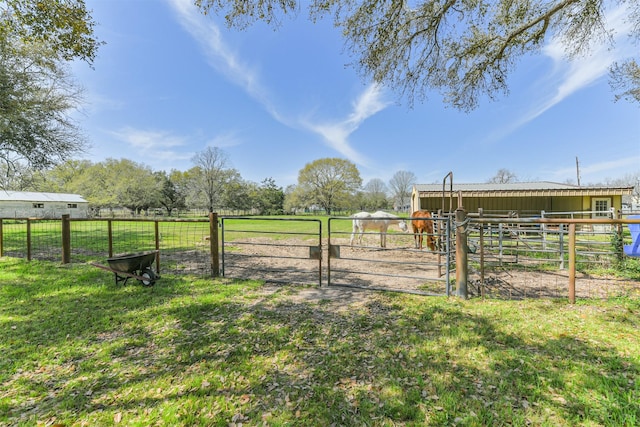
x,y
420,226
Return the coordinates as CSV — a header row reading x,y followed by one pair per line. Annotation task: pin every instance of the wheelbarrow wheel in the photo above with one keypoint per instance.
x,y
149,277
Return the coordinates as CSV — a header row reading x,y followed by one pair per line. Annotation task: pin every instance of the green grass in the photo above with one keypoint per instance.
x,y
92,235
78,350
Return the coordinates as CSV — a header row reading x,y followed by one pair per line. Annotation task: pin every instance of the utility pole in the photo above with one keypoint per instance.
x,y
578,170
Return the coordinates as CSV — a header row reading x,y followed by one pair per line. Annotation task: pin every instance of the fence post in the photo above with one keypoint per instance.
x,y
1,240
480,213
66,239
461,252
213,244
110,237
28,239
572,263
156,229
561,244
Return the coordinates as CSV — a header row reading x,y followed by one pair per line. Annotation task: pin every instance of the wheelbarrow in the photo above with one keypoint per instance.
x,y
137,266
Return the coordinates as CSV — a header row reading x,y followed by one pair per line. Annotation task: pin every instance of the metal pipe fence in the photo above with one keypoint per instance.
x,y
508,257
286,250
399,266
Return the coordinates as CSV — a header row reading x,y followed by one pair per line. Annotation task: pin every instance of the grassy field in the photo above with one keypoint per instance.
x,y
75,349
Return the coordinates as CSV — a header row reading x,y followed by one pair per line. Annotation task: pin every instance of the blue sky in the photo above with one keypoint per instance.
x,y
171,81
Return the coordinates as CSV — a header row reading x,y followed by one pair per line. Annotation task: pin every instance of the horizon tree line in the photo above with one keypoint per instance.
x,y
328,184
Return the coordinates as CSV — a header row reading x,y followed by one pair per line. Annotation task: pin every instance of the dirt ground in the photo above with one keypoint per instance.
x,y
399,267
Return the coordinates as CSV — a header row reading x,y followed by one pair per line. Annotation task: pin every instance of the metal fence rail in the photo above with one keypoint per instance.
x,y
507,257
534,257
286,250
398,267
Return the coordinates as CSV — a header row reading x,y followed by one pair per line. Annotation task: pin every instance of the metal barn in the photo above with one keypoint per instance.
x,y
522,198
24,204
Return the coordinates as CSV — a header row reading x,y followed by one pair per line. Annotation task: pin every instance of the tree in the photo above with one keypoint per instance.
x,y
625,81
628,180
65,27
36,99
503,176
375,195
236,192
328,183
136,186
37,39
170,196
400,185
293,201
269,198
462,49
17,177
182,183
116,183
210,177
64,177
109,184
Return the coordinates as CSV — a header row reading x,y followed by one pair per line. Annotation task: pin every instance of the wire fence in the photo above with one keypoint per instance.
x,y
507,258
183,244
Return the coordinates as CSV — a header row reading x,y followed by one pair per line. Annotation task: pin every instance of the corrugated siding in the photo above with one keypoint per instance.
x,y
18,209
506,204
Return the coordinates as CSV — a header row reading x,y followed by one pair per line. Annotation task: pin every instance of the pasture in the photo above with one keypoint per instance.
x,y
78,350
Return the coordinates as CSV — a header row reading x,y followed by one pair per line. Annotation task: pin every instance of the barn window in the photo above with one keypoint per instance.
x,y
601,207
38,205
72,205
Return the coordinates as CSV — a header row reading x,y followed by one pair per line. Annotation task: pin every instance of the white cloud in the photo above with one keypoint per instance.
x,y
147,140
336,134
152,144
226,139
598,171
223,60
220,57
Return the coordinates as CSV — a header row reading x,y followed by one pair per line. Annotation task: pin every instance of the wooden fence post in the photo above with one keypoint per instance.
x,y
461,252
1,240
66,239
110,237
572,263
213,244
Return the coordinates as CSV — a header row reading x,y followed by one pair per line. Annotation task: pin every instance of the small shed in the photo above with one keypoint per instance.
x,y
25,204
523,198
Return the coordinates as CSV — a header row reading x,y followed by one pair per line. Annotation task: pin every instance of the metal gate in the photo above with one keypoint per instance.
x,y
398,267
284,250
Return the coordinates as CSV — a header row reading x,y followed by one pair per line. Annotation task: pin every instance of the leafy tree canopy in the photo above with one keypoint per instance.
x,y
37,94
463,49
65,27
329,183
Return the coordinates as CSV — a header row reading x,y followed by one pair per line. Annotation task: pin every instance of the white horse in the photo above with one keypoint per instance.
x,y
379,220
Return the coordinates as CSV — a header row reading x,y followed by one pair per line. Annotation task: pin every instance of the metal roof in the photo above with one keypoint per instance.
x,y
516,189
27,196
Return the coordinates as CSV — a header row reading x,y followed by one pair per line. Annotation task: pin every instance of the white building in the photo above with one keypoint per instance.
x,y
23,204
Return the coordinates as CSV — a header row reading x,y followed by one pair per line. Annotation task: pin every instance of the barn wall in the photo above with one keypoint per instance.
x,y
19,209
497,204
567,204
523,205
